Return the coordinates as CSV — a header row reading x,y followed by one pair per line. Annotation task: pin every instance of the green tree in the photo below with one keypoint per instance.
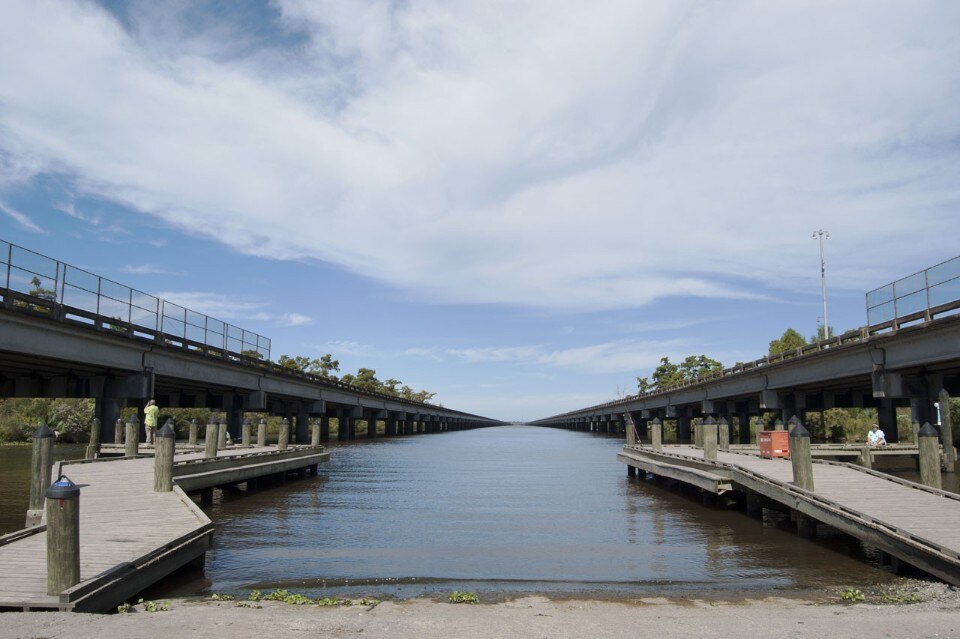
x,y
790,340
819,336
669,374
322,366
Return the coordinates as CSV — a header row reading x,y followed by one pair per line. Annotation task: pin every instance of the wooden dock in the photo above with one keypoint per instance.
x,y
911,523
131,536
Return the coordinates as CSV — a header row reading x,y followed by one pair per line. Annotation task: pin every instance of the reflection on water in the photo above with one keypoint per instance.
x,y
511,509
497,511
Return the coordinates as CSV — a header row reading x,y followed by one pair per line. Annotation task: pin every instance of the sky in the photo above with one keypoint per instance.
x,y
518,206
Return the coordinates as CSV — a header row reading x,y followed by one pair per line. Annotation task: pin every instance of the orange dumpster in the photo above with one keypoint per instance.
x,y
774,443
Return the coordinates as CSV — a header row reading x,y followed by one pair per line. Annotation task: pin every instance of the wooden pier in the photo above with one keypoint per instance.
x,y
909,522
131,536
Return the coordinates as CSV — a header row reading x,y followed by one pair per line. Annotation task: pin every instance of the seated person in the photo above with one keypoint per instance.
x,y
876,437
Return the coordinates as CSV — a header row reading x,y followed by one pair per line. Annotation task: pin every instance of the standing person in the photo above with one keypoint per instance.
x,y
876,437
151,412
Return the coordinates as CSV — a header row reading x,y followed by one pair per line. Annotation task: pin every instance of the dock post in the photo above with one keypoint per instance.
x,y
915,426
708,438
132,437
778,425
723,434
800,457
163,458
262,432
245,433
63,536
656,434
946,431
929,456
754,504
93,447
222,435
315,433
118,432
210,442
194,427
631,428
284,439
865,459
697,426
41,465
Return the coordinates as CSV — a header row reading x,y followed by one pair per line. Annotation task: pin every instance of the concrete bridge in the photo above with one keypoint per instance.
x,y
904,362
66,332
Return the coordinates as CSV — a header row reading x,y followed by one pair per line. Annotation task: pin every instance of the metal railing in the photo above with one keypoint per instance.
x,y
47,286
922,294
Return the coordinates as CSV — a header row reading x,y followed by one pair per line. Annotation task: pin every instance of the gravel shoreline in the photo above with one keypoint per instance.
x,y
909,608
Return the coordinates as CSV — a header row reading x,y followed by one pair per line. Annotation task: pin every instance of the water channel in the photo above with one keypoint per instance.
x,y
498,511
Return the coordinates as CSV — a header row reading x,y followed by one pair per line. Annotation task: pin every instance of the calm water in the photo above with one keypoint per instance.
x,y
497,511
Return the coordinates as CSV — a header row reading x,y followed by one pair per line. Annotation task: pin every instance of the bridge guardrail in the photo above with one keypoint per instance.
x,y
40,285
922,293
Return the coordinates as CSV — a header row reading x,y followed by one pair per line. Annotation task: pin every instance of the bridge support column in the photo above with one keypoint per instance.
x,y
302,427
347,428
324,428
683,427
887,420
108,411
390,426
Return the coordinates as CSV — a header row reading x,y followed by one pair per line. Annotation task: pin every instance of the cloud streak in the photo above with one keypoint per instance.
x,y
574,157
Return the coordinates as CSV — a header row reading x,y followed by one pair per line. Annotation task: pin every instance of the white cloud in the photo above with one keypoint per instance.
x,y
608,357
21,219
565,156
145,269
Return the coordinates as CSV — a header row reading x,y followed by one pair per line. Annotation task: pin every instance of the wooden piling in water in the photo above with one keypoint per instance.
x,y
63,536
929,456
165,442
946,431
284,439
41,465
132,437
723,434
656,434
210,442
800,457
93,447
708,438
245,433
866,457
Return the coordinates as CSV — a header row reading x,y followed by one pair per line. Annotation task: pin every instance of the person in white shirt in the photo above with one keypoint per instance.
x,y
876,437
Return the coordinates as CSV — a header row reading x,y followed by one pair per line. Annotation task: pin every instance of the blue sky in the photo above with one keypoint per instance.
x,y
519,207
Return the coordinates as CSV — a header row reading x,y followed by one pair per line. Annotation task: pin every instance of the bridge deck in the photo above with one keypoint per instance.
x,y
127,530
918,525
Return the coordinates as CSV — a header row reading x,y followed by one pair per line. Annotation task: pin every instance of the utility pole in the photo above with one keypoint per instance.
x,y
822,235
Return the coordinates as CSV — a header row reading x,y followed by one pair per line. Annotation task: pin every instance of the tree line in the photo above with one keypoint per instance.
x,y
365,378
